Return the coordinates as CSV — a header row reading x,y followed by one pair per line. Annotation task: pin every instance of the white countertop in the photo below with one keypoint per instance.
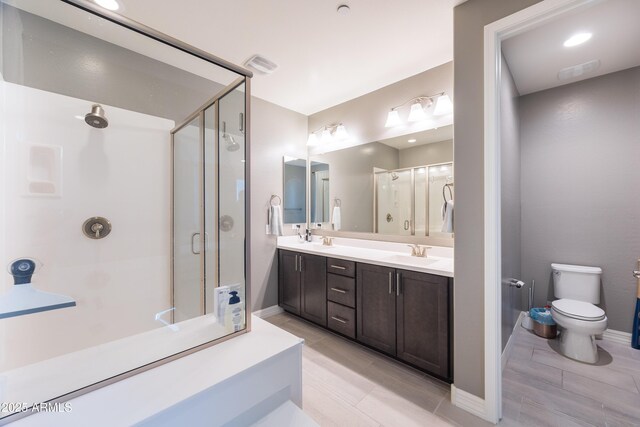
x,y
395,255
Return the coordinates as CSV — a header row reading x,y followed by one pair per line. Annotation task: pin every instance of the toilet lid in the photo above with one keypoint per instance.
x,y
578,309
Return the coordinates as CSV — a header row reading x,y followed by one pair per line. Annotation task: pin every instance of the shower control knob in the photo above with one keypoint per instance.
x,y
96,227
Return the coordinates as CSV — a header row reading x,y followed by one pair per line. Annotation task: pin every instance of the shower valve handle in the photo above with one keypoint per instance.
x,y
97,228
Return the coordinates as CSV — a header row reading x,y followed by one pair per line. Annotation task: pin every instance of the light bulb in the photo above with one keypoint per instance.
x,y
341,132
393,119
443,106
326,136
417,112
313,139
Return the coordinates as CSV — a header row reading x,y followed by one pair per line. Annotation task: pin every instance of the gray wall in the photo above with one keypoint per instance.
x,y
45,55
275,131
437,152
510,201
580,176
351,180
469,19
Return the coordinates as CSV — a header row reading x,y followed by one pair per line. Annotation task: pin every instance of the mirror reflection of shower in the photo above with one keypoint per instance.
x,y
232,145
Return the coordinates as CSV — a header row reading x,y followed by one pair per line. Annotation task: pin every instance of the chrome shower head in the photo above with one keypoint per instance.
x,y
96,117
232,145
394,176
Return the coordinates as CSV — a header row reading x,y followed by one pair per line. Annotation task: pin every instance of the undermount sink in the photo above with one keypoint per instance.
x,y
318,246
408,259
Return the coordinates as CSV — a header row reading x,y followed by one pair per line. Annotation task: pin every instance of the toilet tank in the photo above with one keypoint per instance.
x,y
577,282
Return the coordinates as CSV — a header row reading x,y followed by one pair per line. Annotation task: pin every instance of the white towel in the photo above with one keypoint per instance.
x,y
447,220
275,225
336,221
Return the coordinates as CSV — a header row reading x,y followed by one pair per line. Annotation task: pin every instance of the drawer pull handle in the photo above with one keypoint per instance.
x,y
342,291
337,319
339,267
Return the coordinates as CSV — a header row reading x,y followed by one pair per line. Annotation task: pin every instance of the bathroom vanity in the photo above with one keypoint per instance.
x,y
375,293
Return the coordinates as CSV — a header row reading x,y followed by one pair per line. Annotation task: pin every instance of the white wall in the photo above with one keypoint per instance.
x,y
121,173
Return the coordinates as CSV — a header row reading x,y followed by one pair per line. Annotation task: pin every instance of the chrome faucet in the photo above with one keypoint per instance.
x,y
419,250
307,235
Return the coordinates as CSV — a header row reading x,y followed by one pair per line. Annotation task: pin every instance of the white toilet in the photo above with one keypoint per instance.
x,y
578,289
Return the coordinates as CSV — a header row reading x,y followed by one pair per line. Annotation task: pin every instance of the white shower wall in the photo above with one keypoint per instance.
x,y
121,173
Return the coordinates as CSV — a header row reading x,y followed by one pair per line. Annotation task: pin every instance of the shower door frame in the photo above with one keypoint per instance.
x,y
245,77
199,113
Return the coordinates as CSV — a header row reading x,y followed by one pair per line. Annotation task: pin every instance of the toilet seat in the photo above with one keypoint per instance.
x,y
579,310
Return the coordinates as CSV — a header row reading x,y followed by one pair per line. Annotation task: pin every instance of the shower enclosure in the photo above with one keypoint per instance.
x,y
123,200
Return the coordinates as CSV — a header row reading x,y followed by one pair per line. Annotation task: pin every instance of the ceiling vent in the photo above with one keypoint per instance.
x,y
578,70
261,64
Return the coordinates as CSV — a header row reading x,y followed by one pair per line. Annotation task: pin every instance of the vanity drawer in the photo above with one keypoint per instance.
x,y
341,267
341,319
341,289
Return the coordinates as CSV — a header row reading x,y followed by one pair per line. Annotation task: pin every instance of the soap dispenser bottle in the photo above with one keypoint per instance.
x,y
235,313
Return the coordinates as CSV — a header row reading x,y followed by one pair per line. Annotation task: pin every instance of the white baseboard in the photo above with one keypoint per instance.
x,y
617,336
469,402
509,346
268,312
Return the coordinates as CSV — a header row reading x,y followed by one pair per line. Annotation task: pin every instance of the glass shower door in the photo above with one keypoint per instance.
x,y
187,223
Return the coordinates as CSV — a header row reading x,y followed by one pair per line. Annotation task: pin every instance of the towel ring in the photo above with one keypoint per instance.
x,y
337,202
274,197
447,187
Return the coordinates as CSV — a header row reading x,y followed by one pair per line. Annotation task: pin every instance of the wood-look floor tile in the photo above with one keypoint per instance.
x,y
329,411
510,411
616,418
458,416
553,398
335,378
279,319
521,352
524,337
311,334
344,351
612,397
533,414
533,369
392,410
604,374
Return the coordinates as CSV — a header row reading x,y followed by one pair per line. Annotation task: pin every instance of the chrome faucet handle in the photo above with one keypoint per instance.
x,y
97,228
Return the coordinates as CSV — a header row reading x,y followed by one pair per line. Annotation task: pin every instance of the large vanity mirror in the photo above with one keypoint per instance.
x,y
401,186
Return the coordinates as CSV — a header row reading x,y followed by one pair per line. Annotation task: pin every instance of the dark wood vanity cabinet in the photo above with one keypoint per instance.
x,y
402,313
405,314
423,321
376,307
303,285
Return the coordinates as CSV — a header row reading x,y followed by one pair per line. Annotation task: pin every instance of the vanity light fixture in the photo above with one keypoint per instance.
x,y
419,105
328,133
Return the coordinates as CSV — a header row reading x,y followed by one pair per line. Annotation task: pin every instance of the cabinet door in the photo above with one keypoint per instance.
x,y
314,288
289,281
423,321
376,307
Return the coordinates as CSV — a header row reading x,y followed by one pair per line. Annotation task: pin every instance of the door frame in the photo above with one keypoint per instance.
x,y
494,34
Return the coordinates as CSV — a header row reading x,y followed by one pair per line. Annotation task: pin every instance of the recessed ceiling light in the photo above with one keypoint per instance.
x,y
577,39
411,141
343,9
108,4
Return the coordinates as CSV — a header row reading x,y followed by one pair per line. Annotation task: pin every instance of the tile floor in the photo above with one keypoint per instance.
x,y
345,384
543,388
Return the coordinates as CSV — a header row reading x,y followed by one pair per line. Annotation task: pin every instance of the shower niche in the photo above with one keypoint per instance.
x,y
128,184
